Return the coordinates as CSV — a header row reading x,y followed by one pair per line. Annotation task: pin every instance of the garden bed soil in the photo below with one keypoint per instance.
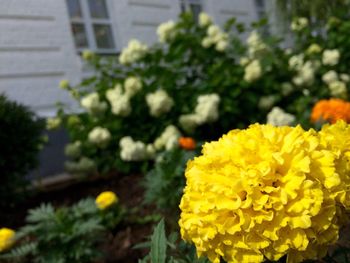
x,y
119,244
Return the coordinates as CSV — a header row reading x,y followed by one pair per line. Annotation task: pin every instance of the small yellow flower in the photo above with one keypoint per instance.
x,y
106,199
7,238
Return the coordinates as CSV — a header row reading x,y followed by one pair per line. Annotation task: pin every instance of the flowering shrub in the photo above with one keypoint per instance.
x,y
66,234
134,107
266,192
331,110
165,182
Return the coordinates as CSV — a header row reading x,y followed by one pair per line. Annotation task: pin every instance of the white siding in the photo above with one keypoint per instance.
x,y
36,52
222,10
140,18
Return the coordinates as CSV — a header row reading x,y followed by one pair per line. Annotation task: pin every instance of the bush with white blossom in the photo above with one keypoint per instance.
x,y
201,79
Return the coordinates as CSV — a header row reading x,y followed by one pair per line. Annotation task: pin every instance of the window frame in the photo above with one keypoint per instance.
x,y
260,6
186,5
88,22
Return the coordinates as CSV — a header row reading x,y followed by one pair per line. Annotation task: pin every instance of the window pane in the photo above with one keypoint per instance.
x,y
98,9
195,9
74,8
79,34
103,36
260,4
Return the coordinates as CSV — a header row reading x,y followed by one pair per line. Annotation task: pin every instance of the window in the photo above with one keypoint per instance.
x,y
194,6
260,6
91,25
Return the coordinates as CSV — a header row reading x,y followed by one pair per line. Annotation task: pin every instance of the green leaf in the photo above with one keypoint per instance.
x,y
17,254
158,244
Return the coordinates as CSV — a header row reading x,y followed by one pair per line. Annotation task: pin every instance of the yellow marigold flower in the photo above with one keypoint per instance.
x,y
7,238
266,192
336,138
106,199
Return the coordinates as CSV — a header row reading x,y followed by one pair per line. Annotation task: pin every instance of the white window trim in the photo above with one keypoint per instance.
x,y
88,23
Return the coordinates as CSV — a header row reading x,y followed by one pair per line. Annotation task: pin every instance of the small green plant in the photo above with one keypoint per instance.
x,y
20,137
165,182
64,235
168,250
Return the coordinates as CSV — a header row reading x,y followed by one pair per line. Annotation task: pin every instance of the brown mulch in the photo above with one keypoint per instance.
x,y
119,245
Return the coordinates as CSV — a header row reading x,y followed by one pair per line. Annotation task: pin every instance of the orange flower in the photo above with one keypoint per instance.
x,y
331,110
187,143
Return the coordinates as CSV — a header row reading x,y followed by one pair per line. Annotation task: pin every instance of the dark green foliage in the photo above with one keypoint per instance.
x,y
64,235
165,182
20,139
169,250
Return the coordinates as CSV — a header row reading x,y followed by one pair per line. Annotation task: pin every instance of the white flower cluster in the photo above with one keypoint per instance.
x,y
166,31
306,74
330,77
168,139
336,83
299,24
119,100
132,85
255,44
244,61
83,165
296,62
252,71
279,117
99,136
53,123
135,150
215,36
133,52
338,89
207,110
305,70
159,102
92,103
204,19
266,102
73,150
330,57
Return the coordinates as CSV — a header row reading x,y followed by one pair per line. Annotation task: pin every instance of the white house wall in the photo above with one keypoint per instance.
x,y
36,52
222,10
37,49
140,18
